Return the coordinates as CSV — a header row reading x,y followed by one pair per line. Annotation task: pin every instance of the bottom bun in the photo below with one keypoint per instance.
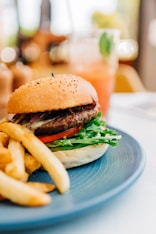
x,y
81,156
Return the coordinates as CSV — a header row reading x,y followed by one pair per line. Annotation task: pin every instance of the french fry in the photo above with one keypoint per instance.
x,y
16,167
4,139
21,193
4,119
2,198
43,187
5,157
41,152
31,164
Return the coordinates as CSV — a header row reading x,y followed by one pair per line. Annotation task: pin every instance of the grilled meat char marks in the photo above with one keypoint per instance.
x,y
58,121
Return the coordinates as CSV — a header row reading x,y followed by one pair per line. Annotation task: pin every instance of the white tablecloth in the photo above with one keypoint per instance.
x,y
133,212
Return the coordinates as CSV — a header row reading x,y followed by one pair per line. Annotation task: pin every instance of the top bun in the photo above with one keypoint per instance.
x,y
52,93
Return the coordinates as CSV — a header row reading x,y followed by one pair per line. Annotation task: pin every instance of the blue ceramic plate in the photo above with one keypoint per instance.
x,y
91,185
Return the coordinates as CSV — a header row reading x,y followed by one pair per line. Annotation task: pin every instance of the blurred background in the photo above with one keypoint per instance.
x,y
33,34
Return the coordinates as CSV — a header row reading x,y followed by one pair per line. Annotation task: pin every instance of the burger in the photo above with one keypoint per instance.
x,y
63,112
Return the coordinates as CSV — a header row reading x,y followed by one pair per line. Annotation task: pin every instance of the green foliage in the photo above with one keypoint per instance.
x,y
106,44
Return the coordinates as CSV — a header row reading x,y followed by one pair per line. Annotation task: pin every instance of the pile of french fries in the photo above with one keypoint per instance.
x,y
22,153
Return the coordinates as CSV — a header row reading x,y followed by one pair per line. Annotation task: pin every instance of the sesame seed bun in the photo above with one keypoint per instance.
x,y
51,93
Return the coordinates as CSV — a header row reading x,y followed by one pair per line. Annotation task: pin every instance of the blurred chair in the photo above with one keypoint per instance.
x,y
128,80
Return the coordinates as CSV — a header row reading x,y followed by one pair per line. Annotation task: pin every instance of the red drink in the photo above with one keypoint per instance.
x,y
87,62
102,78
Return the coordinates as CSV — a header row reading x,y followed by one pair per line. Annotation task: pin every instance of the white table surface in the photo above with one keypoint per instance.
x,y
133,212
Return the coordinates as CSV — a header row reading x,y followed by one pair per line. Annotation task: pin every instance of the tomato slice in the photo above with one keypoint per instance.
x,y
68,133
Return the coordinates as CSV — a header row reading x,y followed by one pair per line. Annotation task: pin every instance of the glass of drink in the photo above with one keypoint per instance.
x,y
93,56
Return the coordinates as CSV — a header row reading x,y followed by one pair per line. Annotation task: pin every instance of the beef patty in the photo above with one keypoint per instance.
x,y
51,122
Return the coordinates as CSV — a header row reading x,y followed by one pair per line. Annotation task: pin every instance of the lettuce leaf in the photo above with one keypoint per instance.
x,y
94,132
